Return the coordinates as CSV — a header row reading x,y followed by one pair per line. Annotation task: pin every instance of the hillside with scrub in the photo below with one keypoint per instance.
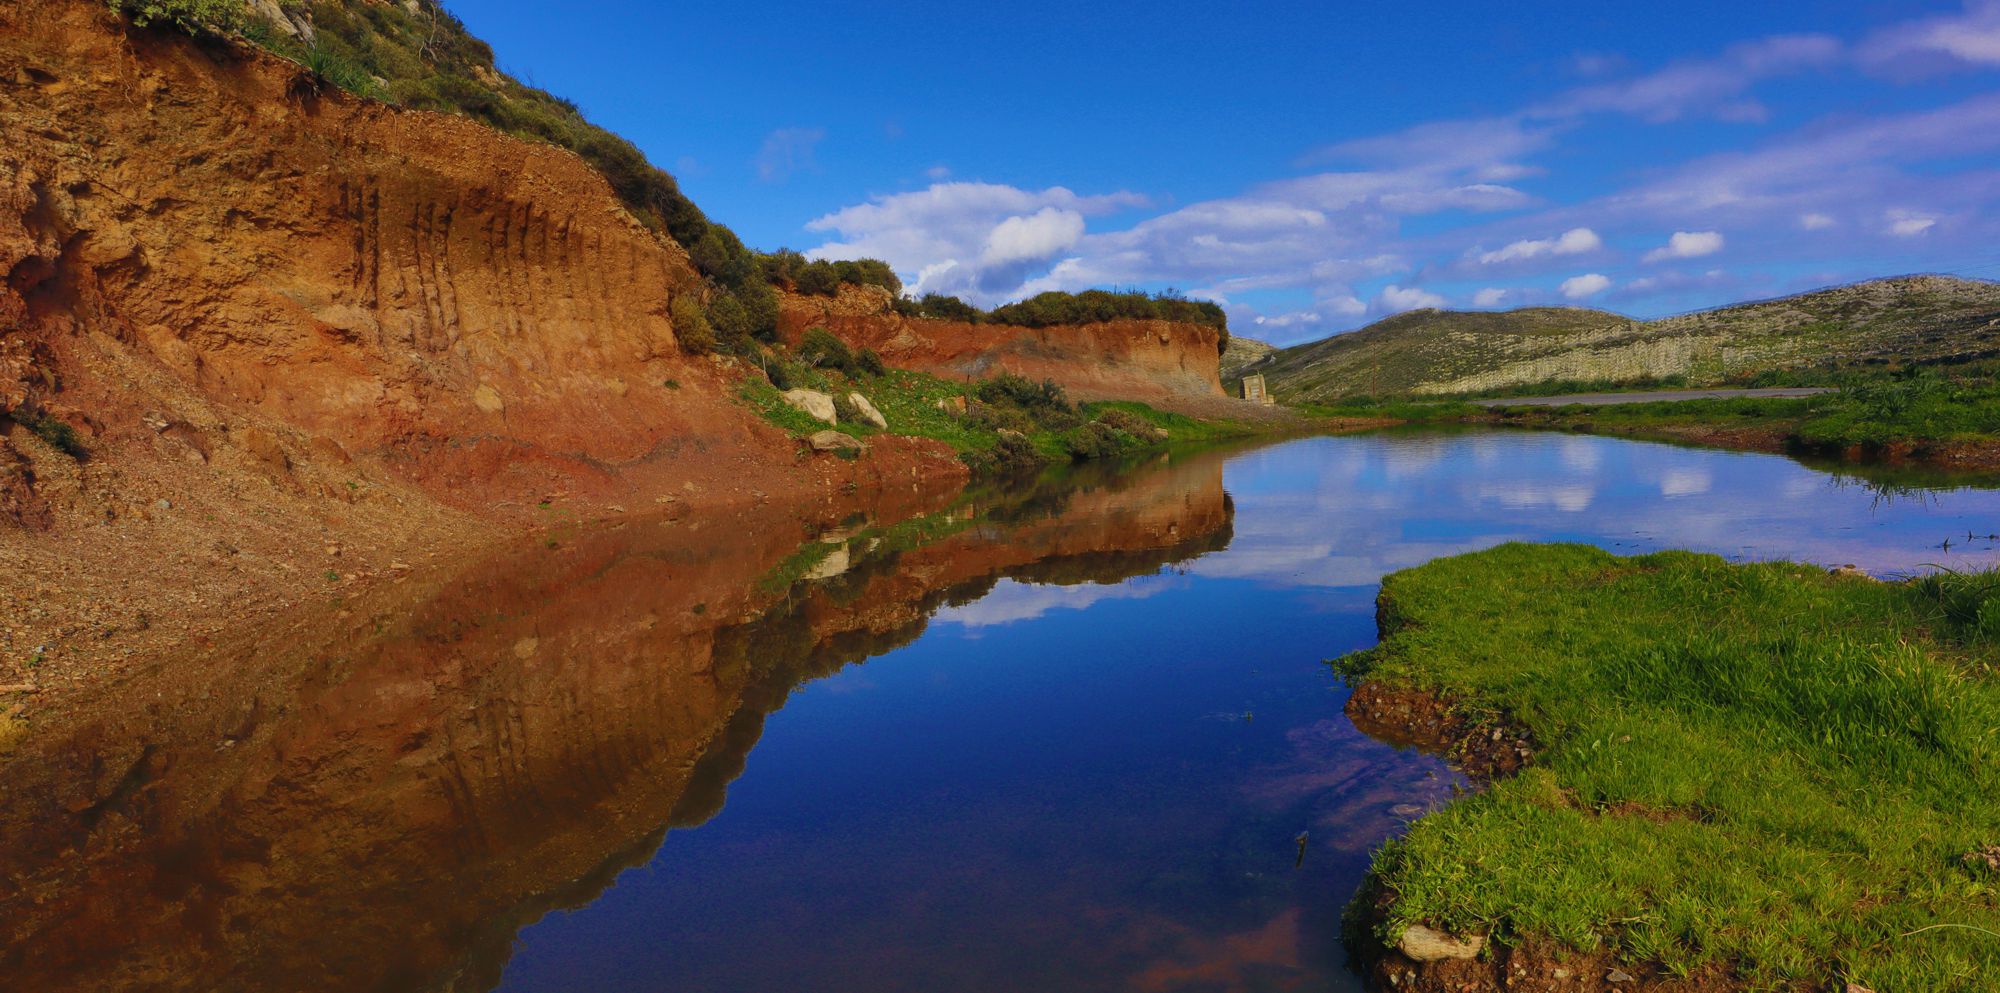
x,y
1912,320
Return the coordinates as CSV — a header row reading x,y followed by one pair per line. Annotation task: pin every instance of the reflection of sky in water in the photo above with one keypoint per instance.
x,y
1098,786
1345,511
1013,601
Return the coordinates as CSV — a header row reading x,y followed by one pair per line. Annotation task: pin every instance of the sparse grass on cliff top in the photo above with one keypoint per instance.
x,y
1758,765
1050,428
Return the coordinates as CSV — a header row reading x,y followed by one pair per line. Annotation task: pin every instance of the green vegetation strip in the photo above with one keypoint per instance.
x,y
1919,410
1792,774
1007,422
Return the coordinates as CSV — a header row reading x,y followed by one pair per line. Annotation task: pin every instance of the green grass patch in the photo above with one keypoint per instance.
x,y
1394,409
1919,411
1817,757
920,405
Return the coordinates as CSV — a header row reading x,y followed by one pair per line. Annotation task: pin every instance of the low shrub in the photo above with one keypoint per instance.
x,y
191,16
844,409
1097,440
822,350
1126,421
1011,453
734,331
1043,397
691,326
999,417
938,306
869,363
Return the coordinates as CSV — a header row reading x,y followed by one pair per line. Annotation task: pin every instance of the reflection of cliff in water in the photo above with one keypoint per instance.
x,y
381,793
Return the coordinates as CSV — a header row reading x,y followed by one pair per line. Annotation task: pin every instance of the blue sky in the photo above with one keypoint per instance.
x,y
1314,166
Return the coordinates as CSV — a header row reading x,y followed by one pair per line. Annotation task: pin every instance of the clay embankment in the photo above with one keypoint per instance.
x,y
305,340
1168,364
380,796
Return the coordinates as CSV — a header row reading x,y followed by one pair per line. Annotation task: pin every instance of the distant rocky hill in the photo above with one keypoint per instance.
x,y
1904,319
1241,351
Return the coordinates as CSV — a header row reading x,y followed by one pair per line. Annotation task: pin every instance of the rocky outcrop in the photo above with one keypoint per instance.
x,y
813,404
1162,362
867,410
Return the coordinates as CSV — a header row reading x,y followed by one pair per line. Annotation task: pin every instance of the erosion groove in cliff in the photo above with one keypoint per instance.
x,y
295,343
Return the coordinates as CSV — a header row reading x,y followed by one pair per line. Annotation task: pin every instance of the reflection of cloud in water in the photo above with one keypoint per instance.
x,y
1525,495
1345,511
1685,482
1012,600
1579,454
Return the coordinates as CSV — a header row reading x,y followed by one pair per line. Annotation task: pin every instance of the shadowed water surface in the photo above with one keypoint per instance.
x,y
1061,737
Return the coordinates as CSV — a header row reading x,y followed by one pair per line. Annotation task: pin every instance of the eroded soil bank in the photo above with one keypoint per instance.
x,y
263,344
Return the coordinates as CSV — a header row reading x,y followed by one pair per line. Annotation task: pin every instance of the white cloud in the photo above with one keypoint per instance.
x,y
1970,38
1711,85
938,173
1680,482
1011,601
1687,245
1323,313
1036,236
1396,299
1325,234
1909,224
1489,297
1575,241
1587,285
965,238
787,151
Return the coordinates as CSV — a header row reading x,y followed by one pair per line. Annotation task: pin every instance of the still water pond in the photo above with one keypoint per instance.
x,y
1076,735
1091,782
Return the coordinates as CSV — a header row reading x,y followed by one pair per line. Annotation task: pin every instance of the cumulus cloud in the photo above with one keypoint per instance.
x,y
1325,234
1036,236
787,151
1687,245
1587,285
1575,241
965,238
1396,299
